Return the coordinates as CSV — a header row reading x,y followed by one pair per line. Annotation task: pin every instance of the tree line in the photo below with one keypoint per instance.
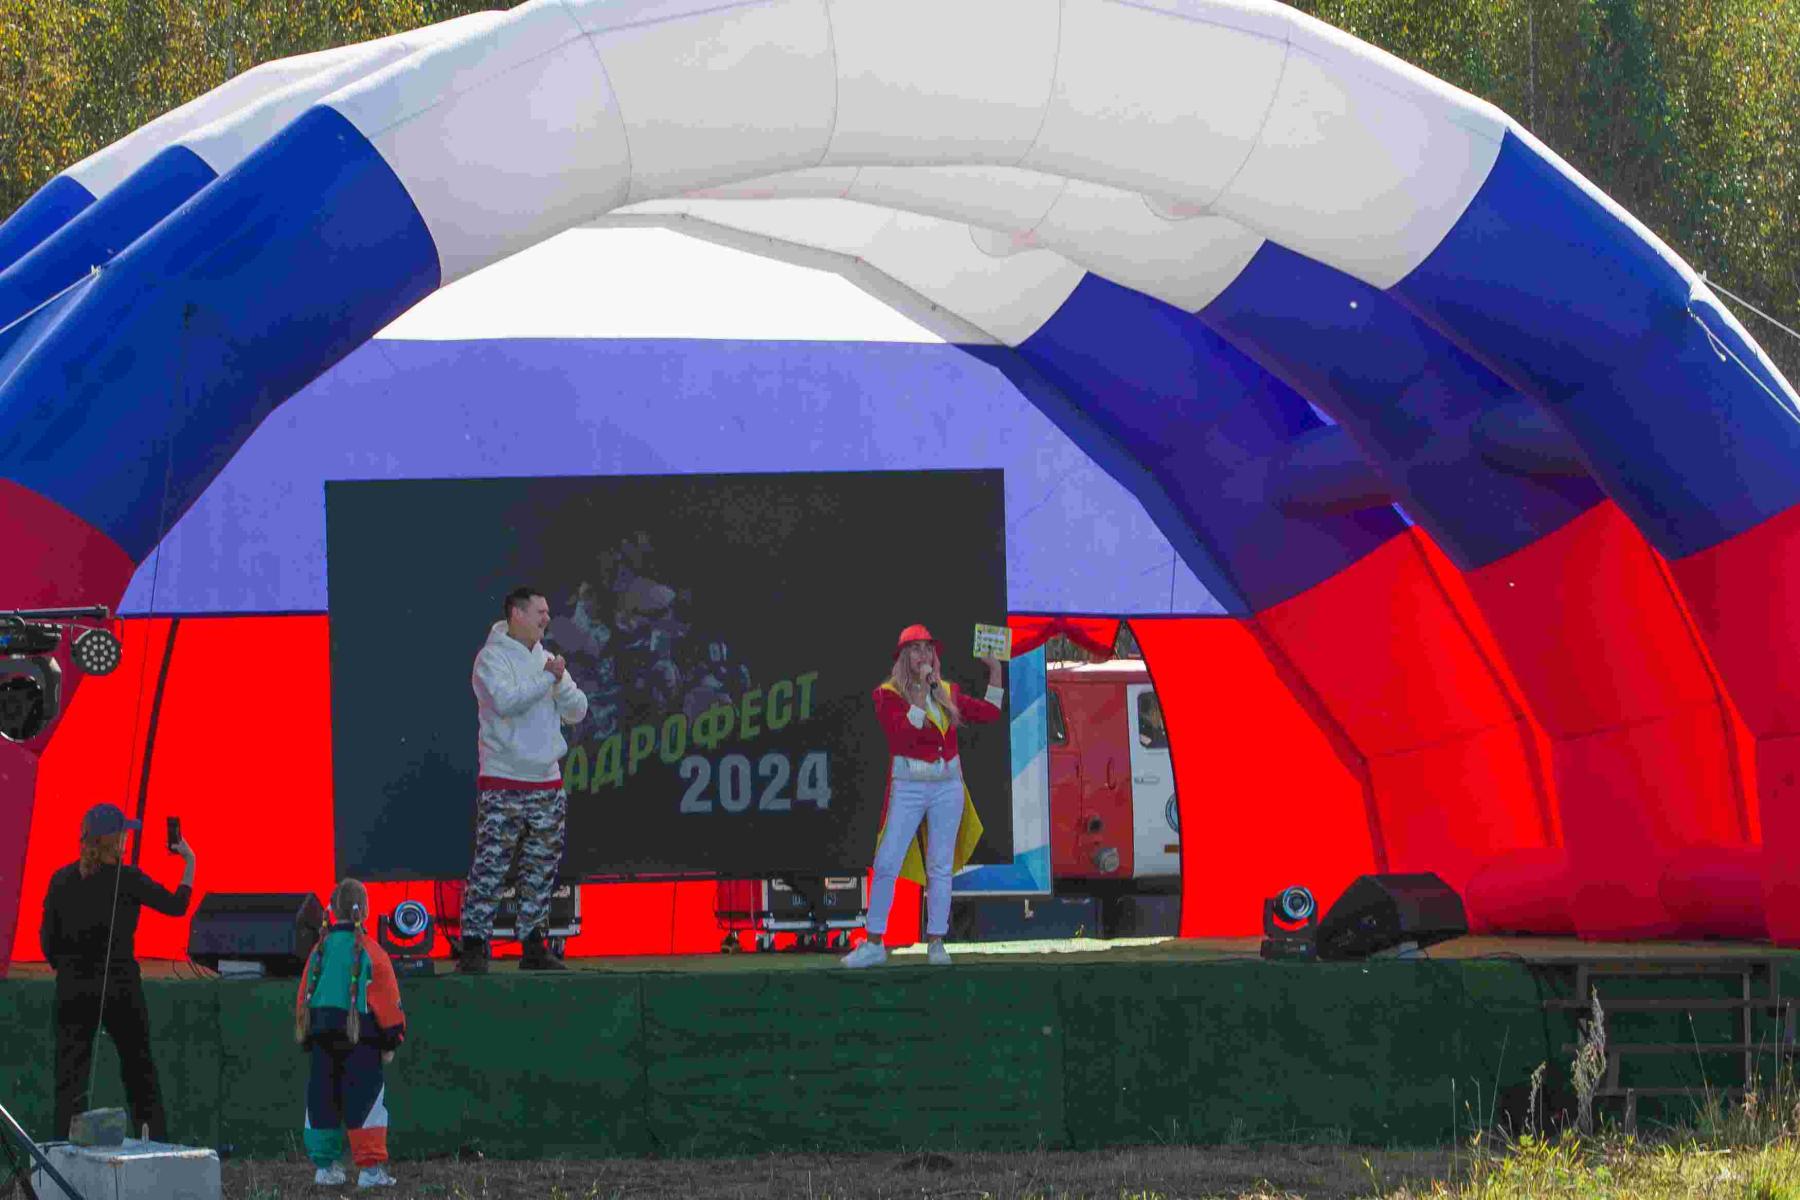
x,y
1686,111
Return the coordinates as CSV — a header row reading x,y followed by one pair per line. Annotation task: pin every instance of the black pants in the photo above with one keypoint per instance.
x,y
79,1012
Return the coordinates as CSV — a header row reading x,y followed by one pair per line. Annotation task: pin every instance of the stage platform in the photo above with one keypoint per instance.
x,y
1071,1045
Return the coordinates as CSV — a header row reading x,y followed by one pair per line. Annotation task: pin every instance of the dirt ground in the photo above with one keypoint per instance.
x,y
1143,1173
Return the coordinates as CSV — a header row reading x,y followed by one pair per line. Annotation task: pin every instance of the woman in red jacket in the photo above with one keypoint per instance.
x,y
920,714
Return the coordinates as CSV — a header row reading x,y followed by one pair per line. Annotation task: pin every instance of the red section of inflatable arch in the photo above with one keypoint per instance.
x,y
240,753
1456,774
1266,800
1096,635
96,756
54,559
1644,746
1745,598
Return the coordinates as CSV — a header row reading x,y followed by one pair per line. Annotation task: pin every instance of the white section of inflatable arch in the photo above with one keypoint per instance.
x,y
226,142
567,109
639,283
509,127
937,262
1118,234
934,262
225,124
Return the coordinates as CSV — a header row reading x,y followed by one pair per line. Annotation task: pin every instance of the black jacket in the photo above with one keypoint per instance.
x,y
78,913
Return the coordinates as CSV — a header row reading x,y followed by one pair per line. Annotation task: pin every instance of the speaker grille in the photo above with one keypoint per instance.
x,y
277,929
1380,912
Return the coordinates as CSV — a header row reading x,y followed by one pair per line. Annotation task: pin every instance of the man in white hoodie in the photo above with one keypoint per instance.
x,y
524,695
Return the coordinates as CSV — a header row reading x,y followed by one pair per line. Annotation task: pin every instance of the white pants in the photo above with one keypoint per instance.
x,y
940,804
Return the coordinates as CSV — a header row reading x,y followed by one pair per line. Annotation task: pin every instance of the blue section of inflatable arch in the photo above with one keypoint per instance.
x,y
1209,425
1150,491
255,541
102,230
18,338
1410,398
1325,473
203,327
1621,345
49,209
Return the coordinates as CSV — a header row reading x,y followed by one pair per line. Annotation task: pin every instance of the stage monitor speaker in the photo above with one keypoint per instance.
x,y
276,929
1382,912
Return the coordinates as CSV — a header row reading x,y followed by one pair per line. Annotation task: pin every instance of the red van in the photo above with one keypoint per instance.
x,y
1113,821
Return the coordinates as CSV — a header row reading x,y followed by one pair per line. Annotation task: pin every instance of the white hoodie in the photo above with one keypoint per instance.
x,y
519,704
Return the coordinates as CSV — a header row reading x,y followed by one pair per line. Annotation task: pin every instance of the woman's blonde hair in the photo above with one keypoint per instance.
x,y
96,851
903,679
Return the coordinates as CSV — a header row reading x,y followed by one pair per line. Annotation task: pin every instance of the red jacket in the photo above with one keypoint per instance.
x,y
926,741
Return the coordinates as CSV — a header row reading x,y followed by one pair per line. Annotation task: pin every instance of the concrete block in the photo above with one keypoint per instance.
x,y
98,1127
135,1170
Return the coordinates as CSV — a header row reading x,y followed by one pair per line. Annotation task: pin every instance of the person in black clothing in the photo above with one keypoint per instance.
x,y
89,935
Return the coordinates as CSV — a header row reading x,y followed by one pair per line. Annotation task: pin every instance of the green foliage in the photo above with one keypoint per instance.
x,y
1686,111
77,75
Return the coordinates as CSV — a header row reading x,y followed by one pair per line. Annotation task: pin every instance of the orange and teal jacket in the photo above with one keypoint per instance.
x,y
347,968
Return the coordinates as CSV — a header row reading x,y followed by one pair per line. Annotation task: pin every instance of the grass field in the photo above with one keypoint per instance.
x,y
1746,1150
1749,1151
1605,1167
1312,1171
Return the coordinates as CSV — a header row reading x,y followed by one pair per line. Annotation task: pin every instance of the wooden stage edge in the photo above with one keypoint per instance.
x,y
986,956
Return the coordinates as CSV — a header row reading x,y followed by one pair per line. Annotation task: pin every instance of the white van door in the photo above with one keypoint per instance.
x,y
1155,827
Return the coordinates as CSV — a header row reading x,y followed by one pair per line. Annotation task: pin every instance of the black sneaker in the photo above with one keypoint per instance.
x,y
473,957
537,956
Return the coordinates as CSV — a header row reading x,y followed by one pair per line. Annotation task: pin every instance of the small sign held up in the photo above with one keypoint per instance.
x,y
995,640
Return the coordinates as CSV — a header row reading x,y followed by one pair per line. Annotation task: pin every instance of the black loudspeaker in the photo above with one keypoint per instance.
x,y
277,930
1141,916
1381,912
1020,918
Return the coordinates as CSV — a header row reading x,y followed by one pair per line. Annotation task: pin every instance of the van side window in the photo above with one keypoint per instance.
x,y
1059,727
1152,733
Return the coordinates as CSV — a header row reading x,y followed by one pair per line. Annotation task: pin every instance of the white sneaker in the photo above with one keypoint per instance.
x,y
330,1176
869,954
936,955
375,1176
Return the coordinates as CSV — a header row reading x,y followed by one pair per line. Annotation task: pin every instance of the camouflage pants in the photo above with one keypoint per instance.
x,y
522,830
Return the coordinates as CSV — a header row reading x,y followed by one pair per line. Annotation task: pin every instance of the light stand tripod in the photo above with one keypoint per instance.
x,y
12,1131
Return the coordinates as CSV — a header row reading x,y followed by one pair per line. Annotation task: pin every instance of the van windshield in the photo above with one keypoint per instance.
x,y
1152,733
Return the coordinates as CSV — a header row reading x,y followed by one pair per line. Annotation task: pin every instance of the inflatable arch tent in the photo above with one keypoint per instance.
x,y
1494,503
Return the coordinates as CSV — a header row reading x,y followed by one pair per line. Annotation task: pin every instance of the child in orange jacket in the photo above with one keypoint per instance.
x,y
348,1016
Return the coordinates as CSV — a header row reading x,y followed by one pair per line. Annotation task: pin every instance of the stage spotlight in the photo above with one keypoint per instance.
x,y
410,919
1295,905
408,935
20,638
1291,921
30,691
30,679
96,651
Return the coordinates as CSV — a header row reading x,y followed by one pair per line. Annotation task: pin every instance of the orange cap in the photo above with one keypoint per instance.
x,y
917,633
